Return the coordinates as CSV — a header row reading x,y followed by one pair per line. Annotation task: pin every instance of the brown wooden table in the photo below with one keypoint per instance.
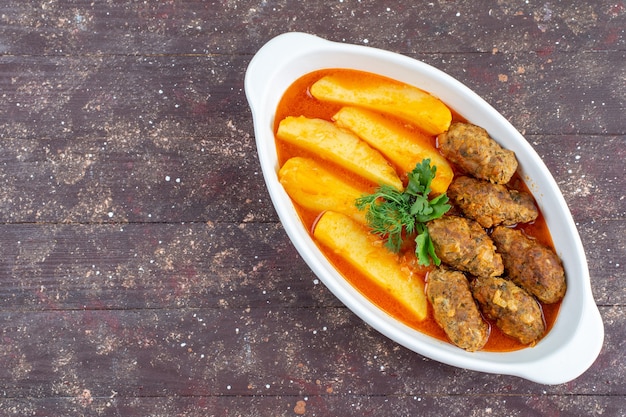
x,y
143,269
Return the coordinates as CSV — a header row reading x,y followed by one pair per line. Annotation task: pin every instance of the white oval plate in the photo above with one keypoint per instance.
x,y
574,342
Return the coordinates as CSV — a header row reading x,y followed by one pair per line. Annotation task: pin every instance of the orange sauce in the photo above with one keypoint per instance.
x,y
297,101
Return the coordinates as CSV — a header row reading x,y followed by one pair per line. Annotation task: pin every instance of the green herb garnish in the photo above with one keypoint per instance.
x,y
390,212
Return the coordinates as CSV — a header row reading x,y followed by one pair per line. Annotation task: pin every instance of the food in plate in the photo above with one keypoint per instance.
x,y
464,245
515,311
353,242
401,146
395,215
492,204
531,265
317,189
344,148
344,142
384,95
474,151
455,309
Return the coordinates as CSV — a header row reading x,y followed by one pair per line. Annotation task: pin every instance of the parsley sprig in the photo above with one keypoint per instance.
x,y
391,212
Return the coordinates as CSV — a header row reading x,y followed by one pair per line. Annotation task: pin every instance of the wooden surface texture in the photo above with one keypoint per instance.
x,y
143,269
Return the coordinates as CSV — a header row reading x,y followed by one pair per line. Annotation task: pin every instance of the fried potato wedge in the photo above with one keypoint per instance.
x,y
401,100
342,147
313,187
353,242
403,147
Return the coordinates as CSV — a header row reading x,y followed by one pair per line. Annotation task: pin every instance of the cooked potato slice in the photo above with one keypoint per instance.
x,y
365,251
401,100
340,146
400,145
315,188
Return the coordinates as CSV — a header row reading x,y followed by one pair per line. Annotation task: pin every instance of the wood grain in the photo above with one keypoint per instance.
x,y
143,269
